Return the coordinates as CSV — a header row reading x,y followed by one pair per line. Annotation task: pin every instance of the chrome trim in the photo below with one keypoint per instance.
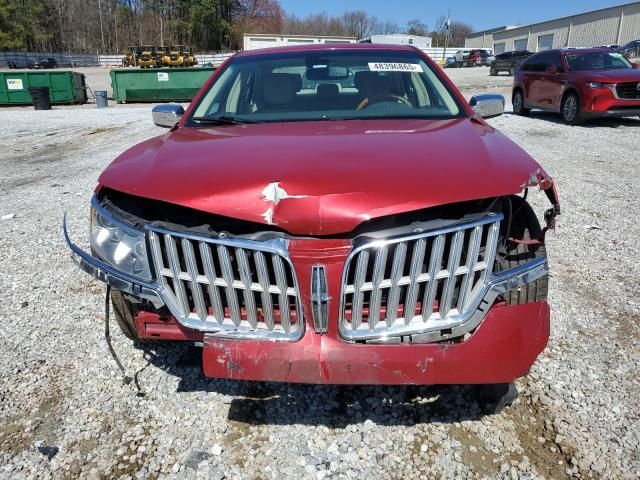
x,y
227,251
614,89
488,105
449,316
158,293
109,275
499,283
319,299
167,114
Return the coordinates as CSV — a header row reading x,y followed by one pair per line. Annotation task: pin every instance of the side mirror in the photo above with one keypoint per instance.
x,y
167,115
552,70
635,66
487,105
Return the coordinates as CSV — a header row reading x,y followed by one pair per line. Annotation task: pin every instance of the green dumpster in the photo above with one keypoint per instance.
x,y
64,87
158,85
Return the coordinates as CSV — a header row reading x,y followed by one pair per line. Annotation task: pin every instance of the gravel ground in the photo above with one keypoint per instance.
x,y
64,413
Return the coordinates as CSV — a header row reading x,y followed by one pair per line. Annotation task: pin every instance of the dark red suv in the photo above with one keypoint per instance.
x,y
579,84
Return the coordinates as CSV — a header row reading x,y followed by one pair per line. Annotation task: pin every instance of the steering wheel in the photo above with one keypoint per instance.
x,y
387,97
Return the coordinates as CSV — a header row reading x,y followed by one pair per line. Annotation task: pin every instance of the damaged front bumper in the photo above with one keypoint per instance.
x,y
111,276
502,349
499,343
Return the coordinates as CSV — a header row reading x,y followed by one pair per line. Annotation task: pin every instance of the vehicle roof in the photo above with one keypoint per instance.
x,y
569,51
327,48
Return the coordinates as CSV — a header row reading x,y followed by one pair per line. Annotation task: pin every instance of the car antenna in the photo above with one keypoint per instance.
x,y
107,335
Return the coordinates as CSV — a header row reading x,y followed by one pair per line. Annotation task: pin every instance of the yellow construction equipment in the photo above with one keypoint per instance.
x,y
131,58
176,57
161,54
148,58
190,58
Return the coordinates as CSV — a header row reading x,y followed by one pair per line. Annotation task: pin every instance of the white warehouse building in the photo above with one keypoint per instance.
x,y
254,41
614,25
399,39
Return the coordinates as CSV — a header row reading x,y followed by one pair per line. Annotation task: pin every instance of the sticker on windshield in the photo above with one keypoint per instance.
x,y
395,67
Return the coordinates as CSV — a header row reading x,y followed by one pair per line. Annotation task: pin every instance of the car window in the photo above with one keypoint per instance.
x,y
537,63
597,61
554,60
324,85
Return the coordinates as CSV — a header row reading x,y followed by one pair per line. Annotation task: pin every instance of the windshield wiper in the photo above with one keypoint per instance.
x,y
222,120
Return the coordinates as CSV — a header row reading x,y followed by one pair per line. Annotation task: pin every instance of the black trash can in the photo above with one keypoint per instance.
x,y
40,97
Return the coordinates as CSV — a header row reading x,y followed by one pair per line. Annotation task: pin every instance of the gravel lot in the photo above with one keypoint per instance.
x,y
64,412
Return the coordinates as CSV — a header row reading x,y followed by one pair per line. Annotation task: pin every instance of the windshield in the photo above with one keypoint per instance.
x,y
327,85
597,61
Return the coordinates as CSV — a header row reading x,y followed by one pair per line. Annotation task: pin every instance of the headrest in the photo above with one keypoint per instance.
x,y
280,88
328,90
372,83
364,77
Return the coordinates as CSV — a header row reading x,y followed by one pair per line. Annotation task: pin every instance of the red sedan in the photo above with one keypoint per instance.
x,y
579,84
329,214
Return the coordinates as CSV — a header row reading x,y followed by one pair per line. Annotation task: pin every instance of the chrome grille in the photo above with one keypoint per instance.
x,y
412,285
628,90
238,288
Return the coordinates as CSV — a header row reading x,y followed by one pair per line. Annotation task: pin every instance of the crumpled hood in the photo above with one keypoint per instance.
x,y
323,178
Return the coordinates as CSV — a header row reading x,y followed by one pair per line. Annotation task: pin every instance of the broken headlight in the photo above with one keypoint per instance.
x,y
119,245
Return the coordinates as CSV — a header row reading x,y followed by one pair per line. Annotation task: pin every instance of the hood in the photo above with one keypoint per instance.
x,y
323,178
612,76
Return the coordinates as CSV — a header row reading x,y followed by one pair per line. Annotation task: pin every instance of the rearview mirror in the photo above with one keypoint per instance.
x,y
487,105
167,115
318,73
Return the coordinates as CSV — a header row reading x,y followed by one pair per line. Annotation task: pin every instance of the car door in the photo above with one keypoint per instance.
x,y
534,83
502,61
551,82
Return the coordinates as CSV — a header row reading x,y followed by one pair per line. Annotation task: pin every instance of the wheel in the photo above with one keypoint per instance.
x,y
525,226
512,71
493,72
570,109
124,311
518,103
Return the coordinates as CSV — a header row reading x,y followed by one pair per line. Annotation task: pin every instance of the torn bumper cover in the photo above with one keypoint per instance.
x,y
502,349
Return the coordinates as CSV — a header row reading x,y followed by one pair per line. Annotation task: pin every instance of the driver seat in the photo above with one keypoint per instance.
x,y
371,84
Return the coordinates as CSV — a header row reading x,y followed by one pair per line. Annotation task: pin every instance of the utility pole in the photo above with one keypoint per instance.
x,y
446,37
101,29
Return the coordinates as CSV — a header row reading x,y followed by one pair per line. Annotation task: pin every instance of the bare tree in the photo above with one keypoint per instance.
x,y
416,27
359,24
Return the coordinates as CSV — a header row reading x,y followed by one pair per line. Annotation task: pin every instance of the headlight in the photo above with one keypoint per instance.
x,y
119,245
600,84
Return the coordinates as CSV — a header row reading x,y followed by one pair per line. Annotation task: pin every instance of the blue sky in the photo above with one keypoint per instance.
x,y
480,14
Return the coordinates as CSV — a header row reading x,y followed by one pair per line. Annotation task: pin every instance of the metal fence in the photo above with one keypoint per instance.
x,y
21,59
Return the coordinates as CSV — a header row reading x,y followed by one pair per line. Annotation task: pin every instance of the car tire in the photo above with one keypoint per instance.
x,y
493,72
570,109
518,103
124,311
525,226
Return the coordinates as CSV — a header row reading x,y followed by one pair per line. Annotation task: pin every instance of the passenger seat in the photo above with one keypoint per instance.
x,y
279,91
